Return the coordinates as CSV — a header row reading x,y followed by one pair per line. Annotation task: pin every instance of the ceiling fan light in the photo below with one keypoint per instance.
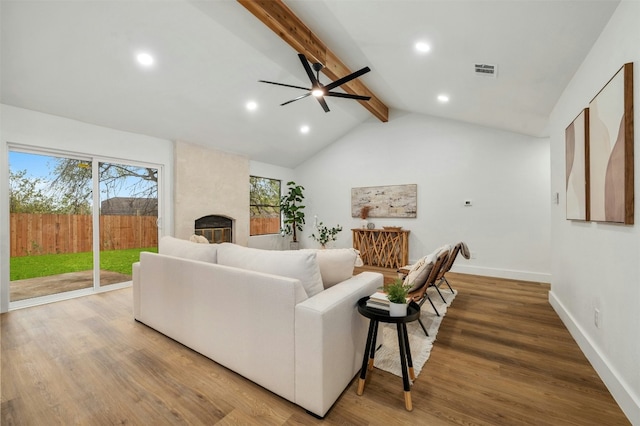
x,y
317,92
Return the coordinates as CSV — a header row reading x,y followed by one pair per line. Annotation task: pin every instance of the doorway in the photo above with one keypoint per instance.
x,y
76,224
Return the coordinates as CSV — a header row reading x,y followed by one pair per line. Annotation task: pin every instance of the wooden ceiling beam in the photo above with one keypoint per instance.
x,y
282,21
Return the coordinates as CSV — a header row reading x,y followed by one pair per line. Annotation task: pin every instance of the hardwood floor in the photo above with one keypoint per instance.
x,y
502,357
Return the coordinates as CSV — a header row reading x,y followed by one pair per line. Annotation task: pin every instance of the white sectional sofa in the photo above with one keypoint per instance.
x,y
263,314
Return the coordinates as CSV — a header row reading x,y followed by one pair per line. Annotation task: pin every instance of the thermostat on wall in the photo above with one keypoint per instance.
x,y
468,203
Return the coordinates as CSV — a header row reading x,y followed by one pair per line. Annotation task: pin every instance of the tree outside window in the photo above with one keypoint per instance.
x,y
264,205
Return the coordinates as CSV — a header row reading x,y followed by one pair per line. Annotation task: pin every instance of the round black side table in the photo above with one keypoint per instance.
x,y
376,316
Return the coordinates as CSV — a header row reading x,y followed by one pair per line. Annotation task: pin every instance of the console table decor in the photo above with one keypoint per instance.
x,y
386,248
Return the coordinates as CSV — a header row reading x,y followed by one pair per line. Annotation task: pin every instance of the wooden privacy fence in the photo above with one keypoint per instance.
x,y
264,225
33,234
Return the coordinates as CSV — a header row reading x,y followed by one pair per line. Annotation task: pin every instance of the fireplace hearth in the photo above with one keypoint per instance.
x,y
215,228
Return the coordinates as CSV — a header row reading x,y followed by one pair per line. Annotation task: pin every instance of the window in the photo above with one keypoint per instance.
x,y
264,205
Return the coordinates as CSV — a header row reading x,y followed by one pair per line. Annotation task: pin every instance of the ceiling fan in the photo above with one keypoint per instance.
x,y
318,90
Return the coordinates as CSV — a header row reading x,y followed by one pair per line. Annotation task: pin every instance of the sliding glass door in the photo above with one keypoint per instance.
x,y
76,224
128,218
50,225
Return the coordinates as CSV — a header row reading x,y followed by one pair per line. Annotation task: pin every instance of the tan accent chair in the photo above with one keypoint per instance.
x,y
460,248
419,293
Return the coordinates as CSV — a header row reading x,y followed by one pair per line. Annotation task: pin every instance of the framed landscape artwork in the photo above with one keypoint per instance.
x,y
385,201
610,150
577,167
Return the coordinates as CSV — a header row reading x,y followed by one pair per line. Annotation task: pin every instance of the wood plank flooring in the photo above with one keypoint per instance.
x,y
502,357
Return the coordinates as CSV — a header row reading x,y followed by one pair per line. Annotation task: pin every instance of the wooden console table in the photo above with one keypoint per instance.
x,y
382,247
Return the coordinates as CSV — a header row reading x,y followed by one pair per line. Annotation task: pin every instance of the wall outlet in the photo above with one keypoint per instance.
x,y
597,319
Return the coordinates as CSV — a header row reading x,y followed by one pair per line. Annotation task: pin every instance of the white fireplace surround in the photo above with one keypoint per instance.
x,y
210,182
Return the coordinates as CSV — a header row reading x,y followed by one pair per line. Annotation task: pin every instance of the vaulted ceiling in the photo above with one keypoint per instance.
x,y
76,59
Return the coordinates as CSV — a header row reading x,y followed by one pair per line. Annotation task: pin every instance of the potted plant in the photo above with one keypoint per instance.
x,y
292,212
325,234
397,293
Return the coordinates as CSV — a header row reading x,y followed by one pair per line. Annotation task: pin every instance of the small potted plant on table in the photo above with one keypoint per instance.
x,y
397,293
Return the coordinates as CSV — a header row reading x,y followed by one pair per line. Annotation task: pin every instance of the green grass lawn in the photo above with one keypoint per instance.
x,y
53,264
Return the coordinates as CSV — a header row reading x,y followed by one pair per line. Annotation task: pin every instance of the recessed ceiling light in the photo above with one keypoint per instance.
x,y
304,129
144,59
422,47
443,98
252,105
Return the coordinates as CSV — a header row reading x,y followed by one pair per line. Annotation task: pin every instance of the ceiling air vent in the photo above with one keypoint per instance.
x,y
487,70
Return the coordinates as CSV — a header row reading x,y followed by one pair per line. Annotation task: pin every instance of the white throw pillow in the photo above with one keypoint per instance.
x,y
336,265
419,272
198,239
187,250
298,264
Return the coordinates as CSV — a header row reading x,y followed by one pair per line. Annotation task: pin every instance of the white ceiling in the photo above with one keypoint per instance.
x,y
76,59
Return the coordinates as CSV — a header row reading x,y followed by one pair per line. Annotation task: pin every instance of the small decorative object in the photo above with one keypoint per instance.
x,y
371,225
324,234
364,214
397,293
292,211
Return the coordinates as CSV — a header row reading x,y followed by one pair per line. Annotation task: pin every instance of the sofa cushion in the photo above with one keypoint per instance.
x,y
336,265
176,247
298,264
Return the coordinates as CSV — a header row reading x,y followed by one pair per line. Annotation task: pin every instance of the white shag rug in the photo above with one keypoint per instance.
x,y
388,356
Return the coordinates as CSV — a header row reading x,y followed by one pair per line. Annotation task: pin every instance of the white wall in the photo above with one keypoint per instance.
x,y
597,265
506,175
256,168
43,131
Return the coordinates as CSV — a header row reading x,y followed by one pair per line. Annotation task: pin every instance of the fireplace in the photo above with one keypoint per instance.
x,y
215,228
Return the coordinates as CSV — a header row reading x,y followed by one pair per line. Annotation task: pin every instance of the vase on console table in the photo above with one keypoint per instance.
x,y
365,223
371,225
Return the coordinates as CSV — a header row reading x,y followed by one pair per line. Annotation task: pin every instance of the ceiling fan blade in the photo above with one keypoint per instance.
x,y
343,80
325,107
307,68
282,84
348,96
297,99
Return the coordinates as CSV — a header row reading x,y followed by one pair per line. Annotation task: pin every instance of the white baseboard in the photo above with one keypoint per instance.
x,y
628,402
503,273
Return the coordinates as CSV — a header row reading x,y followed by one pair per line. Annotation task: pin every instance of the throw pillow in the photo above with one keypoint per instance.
x,y
187,250
336,265
419,272
298,264
198,239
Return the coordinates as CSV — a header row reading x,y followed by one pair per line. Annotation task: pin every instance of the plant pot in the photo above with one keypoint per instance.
x,y
397,309
294,245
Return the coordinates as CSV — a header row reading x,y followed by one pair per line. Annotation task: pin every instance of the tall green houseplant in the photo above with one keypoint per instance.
x,y
292,210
